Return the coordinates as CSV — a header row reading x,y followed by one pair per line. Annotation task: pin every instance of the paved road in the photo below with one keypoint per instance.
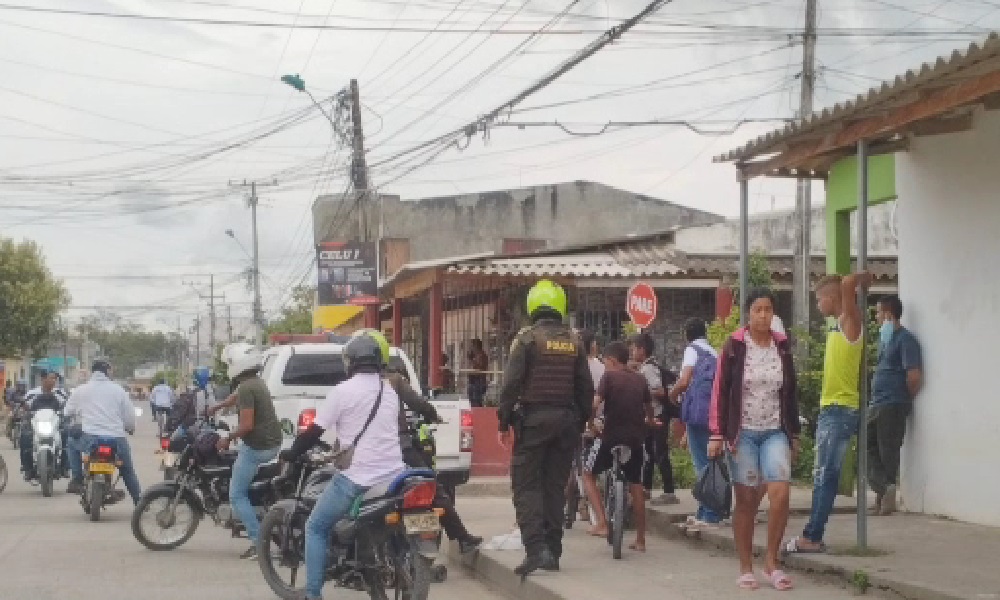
x,y
49,550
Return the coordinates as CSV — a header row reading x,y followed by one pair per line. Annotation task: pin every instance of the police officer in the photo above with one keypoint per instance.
x,y
546,397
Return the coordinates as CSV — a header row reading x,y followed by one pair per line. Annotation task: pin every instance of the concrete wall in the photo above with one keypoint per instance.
x,y
560,214
775,232
948,188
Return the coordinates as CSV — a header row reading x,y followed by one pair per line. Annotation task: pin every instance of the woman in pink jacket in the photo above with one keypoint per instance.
x,y
755,415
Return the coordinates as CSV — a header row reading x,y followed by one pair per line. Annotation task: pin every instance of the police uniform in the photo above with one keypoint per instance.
x,y
547,397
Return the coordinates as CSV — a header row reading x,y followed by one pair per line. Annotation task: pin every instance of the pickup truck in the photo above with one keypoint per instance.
x,y
299,376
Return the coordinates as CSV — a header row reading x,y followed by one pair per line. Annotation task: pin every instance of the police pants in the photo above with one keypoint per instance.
x,y
539,468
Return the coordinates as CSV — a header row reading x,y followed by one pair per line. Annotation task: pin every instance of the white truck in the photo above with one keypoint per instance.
x,y
299,376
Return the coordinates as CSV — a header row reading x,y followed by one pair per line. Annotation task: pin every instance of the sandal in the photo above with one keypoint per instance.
x,y
792,547
779,580
747,581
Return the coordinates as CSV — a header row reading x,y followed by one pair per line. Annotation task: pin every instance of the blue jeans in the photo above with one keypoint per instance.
x,y
244,470
333,505
698,436
73,450
122,453
834,430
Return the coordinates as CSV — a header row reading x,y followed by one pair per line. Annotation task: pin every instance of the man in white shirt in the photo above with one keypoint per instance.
x,y
161,399
364,411
107,415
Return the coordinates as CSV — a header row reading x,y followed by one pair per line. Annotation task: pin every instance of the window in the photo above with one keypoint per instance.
x,y
324,369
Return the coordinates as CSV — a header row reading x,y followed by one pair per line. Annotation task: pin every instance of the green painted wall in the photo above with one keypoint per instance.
x,y
842,199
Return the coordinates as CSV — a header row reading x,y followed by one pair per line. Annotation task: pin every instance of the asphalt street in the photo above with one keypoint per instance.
x,y
50,550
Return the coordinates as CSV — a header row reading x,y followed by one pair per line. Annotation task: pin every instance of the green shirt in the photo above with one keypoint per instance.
x,y
254,395
841,371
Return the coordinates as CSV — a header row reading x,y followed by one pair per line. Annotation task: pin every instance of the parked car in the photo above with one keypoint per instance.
x,y
299,376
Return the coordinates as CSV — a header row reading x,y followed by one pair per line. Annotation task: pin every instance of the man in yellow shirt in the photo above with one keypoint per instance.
x,y
839,402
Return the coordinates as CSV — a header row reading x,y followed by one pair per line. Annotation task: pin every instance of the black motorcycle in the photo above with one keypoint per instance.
x,y
169,512
389,540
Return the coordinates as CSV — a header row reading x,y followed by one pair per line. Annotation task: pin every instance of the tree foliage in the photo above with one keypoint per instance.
x,y
30,298
129,345
297,317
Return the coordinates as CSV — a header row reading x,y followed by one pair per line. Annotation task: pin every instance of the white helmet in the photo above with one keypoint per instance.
x,y
240,358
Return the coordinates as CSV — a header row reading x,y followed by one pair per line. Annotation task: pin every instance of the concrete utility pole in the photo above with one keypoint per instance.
x,y
802,269
197,341
211,308
258,313
229,322
359,166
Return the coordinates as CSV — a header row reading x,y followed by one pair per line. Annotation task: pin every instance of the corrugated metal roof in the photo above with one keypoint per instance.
x,y
592,264
985,56
881,267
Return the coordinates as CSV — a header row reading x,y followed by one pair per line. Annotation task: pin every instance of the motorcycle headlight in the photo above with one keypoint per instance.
x,y
44,428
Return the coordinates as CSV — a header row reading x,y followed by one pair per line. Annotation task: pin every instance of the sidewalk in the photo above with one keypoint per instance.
x,y
917,557
669,570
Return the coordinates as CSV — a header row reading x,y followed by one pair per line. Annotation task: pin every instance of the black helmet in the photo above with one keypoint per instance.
x,y
366,348
101,366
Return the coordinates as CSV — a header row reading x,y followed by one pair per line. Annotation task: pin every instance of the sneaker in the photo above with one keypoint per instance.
x,y
665,500
469,544
250,554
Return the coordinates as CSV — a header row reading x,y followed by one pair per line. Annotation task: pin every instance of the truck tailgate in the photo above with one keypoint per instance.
x,y
448,435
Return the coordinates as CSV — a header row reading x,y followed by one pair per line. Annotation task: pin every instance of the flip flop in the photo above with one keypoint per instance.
x,y
792,547
779,580
747,581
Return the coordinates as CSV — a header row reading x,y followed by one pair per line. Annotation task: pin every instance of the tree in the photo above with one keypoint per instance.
x,y
128,345
296,318
30,298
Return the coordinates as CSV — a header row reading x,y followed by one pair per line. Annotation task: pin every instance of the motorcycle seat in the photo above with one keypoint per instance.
x,y
392,488
268,470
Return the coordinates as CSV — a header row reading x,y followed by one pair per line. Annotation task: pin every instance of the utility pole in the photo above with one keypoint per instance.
x,y
229,322
197,341
802,269
359,166
258,313
211,309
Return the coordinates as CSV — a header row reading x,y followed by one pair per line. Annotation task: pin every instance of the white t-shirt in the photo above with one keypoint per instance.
x,y
162,396
652,374
378,456
596,370
691,355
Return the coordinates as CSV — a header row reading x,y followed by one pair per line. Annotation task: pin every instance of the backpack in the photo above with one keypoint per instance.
x,y
667,379
698,396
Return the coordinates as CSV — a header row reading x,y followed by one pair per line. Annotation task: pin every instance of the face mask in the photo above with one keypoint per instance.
x,y
886,331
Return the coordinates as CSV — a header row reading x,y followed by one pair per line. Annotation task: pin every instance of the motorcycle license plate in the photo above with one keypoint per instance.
x,y
102,468
169,460
421,523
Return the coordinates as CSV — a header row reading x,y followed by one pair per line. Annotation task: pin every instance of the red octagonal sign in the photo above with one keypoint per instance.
x,y
642,305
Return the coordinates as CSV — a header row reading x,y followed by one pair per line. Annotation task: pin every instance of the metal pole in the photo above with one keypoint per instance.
x,y
802,270
863,305
197,342
258,326
211,312
744,245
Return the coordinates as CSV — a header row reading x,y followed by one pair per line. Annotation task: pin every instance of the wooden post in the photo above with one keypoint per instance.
x,y
397,322
371,317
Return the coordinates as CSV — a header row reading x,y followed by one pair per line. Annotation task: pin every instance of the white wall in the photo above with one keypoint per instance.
x,y
949,277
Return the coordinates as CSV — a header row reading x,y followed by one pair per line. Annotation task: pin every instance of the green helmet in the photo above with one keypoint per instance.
x,y
546,294
366,348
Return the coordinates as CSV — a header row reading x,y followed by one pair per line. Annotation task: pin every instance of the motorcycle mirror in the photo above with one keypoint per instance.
x,y
138,412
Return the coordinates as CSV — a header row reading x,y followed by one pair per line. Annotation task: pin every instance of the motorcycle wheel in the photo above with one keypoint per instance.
x,y
3,474
45,473
413,581
149,517
96,497
272,532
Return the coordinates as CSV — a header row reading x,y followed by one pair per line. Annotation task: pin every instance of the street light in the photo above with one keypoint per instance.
x,y
299,84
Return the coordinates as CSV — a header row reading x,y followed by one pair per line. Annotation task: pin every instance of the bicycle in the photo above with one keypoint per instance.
x,y
616,499
575,492
3,474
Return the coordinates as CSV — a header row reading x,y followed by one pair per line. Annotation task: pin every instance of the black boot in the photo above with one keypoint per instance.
x,y
469,544
543,560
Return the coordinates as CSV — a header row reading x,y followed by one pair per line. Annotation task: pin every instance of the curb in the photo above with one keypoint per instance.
x,y
484,568
480,489
814,566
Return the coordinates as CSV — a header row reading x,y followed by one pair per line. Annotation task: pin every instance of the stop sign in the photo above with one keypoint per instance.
x,y
641,305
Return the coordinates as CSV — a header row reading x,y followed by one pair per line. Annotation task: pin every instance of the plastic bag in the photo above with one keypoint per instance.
x,y
714,490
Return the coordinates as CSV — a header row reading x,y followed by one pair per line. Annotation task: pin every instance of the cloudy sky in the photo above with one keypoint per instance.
x,y
119,137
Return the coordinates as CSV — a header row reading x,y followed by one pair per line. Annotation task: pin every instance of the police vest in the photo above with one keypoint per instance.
x,y
552,367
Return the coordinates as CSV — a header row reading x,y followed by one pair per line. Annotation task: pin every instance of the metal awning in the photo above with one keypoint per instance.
x,y
931,100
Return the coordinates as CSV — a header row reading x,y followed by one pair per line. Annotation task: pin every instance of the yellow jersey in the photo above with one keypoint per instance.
x,y
841,371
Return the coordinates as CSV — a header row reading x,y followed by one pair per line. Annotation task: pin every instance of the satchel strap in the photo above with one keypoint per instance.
x,y
371,416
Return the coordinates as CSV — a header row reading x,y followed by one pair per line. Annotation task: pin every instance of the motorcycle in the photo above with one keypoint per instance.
x,y
14,421
389,539
47,448
168,514
100,467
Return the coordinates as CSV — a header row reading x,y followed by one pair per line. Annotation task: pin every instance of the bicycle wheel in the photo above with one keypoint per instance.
x,y
617,527
3,474
609,505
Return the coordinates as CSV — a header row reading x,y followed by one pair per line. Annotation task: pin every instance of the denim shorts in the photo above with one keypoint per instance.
x,y
761,457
